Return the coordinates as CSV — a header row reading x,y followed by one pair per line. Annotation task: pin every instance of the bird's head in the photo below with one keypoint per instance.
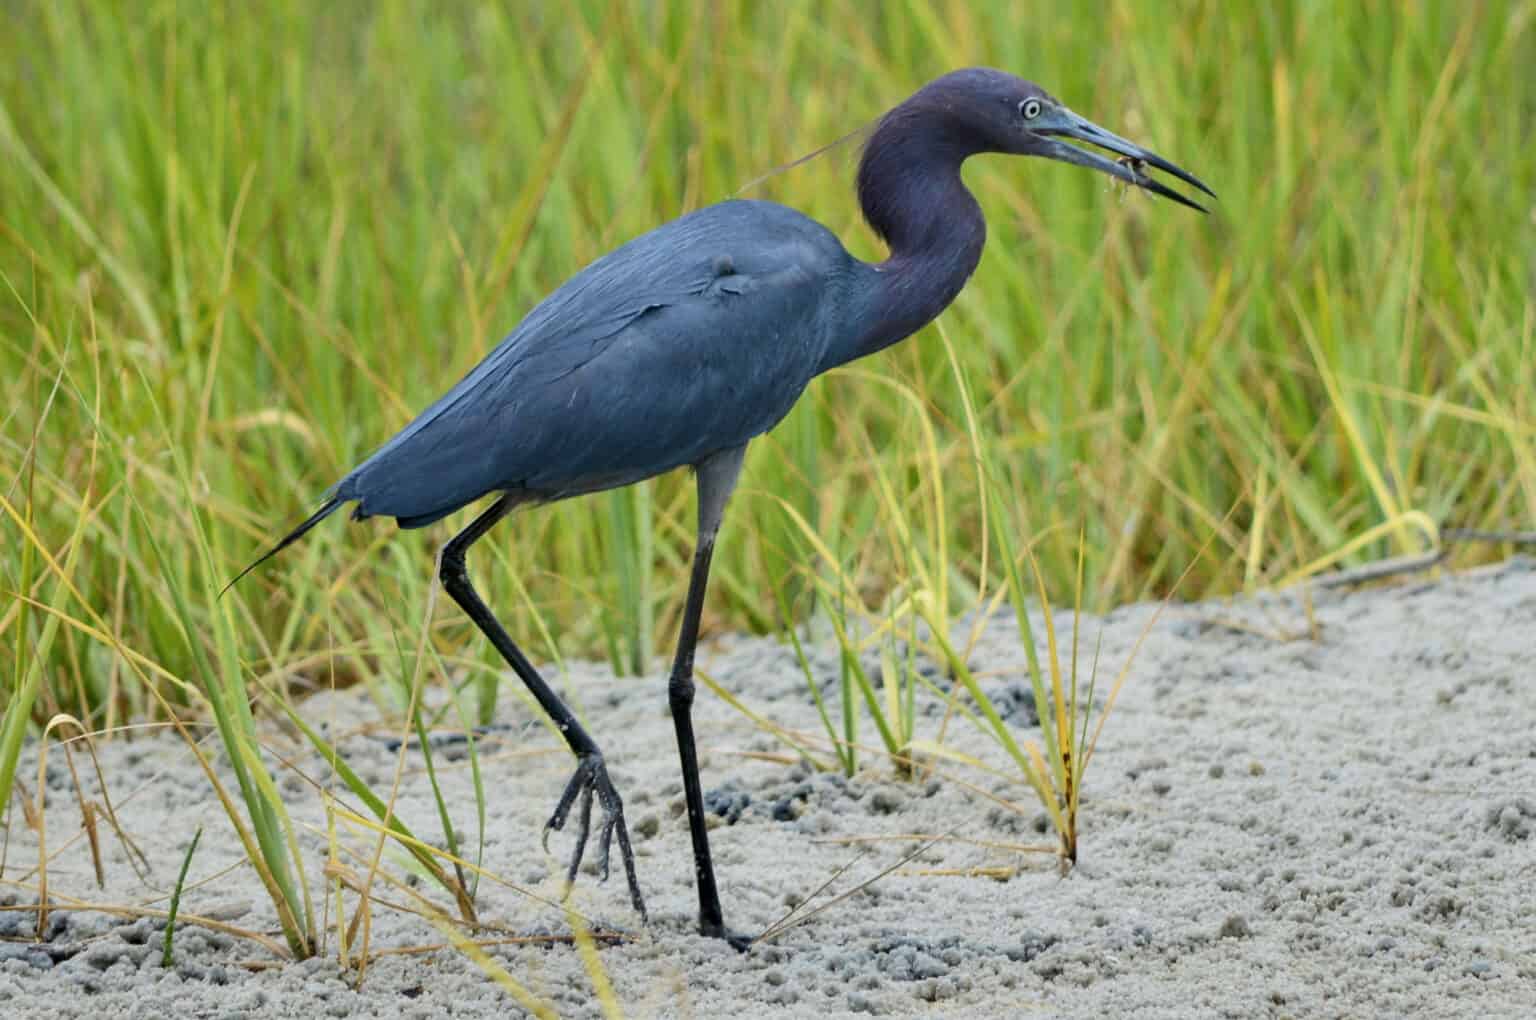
x,y
994,111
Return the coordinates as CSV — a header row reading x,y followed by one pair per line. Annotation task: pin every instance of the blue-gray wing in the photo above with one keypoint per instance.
x,y
688,340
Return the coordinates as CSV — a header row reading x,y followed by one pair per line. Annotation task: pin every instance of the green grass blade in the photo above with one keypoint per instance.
x,y
170,913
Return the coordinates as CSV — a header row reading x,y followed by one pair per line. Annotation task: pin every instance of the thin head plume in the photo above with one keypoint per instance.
x,y
860,132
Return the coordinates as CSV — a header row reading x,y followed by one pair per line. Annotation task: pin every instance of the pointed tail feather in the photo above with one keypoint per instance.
x,y
293,536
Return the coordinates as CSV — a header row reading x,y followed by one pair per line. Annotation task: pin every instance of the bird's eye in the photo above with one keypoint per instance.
x,y
1029,109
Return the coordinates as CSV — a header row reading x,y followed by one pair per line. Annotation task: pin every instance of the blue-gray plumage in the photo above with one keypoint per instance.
x,y
690,339
680,347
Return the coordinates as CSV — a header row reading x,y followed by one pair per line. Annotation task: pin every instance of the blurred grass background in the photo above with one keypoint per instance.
x,y
240,244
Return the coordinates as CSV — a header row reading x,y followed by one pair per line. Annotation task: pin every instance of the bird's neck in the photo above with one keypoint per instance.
x,y
912,196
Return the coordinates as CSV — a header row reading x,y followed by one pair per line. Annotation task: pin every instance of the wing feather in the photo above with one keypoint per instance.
x,y
690,339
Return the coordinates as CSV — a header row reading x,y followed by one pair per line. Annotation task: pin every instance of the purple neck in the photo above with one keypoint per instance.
x,y
912,196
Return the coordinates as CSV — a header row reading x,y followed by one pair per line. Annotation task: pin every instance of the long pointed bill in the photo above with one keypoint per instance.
x,y
1067,124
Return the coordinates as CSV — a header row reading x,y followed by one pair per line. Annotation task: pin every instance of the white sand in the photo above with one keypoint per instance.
x,y
1273,826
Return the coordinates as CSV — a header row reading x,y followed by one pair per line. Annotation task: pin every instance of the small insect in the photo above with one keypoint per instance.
x,y
1136,166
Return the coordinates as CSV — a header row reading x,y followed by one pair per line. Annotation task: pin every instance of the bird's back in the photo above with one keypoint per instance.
x,y
690,339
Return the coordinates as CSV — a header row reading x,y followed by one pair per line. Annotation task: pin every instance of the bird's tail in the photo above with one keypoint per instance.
x,y
293,536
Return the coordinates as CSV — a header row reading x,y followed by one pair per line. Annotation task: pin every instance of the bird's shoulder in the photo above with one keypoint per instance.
x,y
740,237
732,271
729,250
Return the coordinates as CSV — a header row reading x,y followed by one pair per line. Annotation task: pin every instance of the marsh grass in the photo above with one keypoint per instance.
x,y
240,245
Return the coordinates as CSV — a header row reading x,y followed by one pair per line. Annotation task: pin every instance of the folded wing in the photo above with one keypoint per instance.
x,y
688,340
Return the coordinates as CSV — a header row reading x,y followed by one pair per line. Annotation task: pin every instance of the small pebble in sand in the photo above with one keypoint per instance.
x,y
788,809
1235,927
1146,765
726,802
861,1003
1513,819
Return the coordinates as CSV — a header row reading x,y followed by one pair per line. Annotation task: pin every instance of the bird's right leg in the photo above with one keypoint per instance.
x,y
591,774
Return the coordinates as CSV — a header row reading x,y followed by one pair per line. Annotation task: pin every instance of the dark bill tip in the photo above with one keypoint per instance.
x,y
1157,187
1154,160
1129,167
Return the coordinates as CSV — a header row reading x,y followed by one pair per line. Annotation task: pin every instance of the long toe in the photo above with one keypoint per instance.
x,y
580,783
605,843
583,831
627,855
613,825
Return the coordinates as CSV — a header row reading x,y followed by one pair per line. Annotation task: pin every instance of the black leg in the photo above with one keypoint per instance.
x,y
591,775
716,479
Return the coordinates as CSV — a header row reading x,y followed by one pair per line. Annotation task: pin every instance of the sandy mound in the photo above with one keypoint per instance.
x,y
1276,824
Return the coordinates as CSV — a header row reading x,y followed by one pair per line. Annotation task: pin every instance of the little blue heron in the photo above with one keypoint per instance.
x,y
684,344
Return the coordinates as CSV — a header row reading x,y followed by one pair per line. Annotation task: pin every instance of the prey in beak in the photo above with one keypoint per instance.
x,y
1057,122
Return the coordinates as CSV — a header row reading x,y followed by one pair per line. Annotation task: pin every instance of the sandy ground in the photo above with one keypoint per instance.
x,y
1277,824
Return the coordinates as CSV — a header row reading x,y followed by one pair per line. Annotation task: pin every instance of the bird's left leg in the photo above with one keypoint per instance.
x,y
591,776
716,480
